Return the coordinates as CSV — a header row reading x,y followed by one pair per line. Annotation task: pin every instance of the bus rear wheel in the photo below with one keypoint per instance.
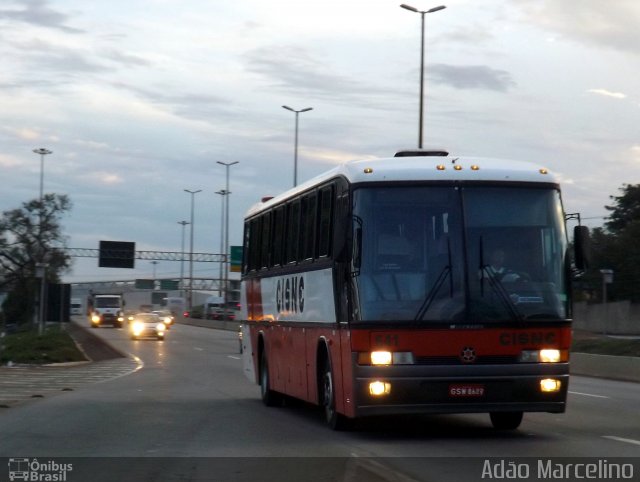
x,y
335,420
269,397
506,420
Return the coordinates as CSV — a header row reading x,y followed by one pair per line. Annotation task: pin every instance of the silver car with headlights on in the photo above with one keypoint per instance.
x,y
147,325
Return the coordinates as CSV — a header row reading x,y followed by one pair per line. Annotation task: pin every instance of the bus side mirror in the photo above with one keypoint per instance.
x,y
581,247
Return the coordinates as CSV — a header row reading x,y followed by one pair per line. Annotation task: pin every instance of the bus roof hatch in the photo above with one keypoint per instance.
x,y
422,153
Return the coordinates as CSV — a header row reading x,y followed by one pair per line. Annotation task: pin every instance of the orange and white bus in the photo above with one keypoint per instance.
x,y
421,283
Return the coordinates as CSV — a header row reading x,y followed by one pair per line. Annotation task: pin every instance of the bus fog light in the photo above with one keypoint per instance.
x,y
379,388
550,385
381,358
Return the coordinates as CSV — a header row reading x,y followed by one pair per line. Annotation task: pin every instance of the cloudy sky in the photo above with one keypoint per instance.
x,y
139,99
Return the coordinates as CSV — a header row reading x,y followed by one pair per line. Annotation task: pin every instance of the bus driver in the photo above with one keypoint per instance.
x,y
497,270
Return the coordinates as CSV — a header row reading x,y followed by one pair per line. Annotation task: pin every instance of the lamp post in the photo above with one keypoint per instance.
x,y
227,165
42,152
295,149
222,193
190,304
41,272
607,278
422,13
41,268
183,224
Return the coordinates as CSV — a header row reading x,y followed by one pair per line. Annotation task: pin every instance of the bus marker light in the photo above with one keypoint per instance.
x,y
379,388
381,358
475,167
544,171
550,385
440,167
368,170
457,167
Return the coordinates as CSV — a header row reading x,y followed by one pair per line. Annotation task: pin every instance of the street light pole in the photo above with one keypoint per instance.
x,y
227,165
223,193
41,267
42,152
183,223
193,195
422,13
154,263
295,149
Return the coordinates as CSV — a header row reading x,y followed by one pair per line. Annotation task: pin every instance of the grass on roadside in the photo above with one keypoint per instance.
x,y
607,346
53,346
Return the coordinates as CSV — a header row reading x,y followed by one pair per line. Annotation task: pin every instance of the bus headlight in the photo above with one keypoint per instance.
x,y
379,388
549,355
95,318
381,358
550,385
546,355
385,358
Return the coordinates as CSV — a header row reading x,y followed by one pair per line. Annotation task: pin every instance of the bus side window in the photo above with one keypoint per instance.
x,y
293,223
325,226
277,236
265,248
308,227
254,244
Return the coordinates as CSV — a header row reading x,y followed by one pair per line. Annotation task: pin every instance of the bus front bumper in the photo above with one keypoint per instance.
x,y
460,389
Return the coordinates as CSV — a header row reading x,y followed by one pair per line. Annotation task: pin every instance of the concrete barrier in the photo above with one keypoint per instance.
x,y
216,324
605,366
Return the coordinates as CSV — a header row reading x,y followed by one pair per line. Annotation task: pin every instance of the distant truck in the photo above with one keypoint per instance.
x,y
176,305
107,309
214,309
75,306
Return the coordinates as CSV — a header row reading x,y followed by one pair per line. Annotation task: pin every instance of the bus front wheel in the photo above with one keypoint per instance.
x,y
506,420
269,397
335,420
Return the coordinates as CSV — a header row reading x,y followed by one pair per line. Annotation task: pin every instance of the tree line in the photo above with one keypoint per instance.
x,y
616,246
31,236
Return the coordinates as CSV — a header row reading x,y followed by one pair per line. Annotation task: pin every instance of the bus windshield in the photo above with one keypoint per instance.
x,y
471,254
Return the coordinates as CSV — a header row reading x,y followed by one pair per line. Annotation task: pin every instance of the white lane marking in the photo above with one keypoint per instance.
x,y
620,439
197,348
587,395
356,466
234,357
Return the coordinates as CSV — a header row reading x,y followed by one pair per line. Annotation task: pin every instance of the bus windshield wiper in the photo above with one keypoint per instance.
x,y
502,293
446,271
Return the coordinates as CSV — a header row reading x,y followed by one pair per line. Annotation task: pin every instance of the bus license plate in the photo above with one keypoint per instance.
x,y
468,390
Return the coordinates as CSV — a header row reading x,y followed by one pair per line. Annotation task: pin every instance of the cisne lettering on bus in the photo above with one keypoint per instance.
x,y
290,295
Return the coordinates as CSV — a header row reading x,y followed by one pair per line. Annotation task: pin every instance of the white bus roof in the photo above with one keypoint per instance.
x,y
423,168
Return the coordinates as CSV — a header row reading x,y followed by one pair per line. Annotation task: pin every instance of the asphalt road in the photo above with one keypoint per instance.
x,y
186,412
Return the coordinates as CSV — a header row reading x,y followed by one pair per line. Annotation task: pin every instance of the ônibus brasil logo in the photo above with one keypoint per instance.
x,y
33,470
